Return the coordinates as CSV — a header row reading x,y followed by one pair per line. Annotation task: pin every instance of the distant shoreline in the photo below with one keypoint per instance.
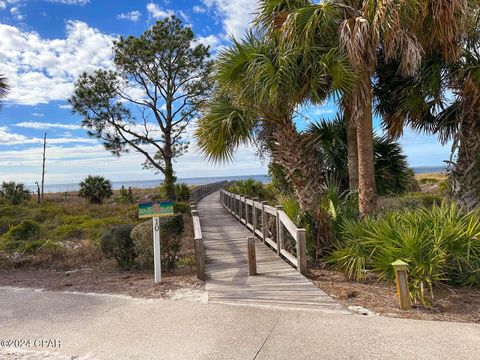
x,y
149,184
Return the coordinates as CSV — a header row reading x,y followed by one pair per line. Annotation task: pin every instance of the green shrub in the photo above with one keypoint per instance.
x,y
14,193
410,201
181,208
171,229
428,180
440,244
126,196
96,189
252,188
24,232
182,192
116,243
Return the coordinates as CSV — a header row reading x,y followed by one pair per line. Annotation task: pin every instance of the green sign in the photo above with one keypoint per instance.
x,y
155,209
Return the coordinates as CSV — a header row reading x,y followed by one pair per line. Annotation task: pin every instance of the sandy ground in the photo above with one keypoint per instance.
x,y
112,327
138,284
458,304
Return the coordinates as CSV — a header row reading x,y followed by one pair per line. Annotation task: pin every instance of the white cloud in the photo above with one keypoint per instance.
x,y
236,15
46,125
16,13
423,149
132,16
210,40
70,164
43,70
71,2
3,5
156,12
38,115
198,9
8,138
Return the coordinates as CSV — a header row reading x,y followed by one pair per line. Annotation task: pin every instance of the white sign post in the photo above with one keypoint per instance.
x,y
156,250
156,210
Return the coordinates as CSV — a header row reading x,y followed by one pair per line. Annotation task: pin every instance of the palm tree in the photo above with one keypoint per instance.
x,y
259,86
401,30
14,193
95,189
392,173
442,98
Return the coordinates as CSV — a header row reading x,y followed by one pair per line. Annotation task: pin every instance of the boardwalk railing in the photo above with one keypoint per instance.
x,y
271,224
204,190
199,249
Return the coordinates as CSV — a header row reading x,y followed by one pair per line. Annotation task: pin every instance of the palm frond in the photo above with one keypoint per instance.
x,y
4,87
222,128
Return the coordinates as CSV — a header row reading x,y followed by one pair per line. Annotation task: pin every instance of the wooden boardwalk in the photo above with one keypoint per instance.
x,y
277,284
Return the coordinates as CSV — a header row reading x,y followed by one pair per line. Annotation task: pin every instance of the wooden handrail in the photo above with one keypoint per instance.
x,y
203,190
240,206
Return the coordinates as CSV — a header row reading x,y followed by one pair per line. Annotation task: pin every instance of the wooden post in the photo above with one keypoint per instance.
x,y
302,250
251,256
200,258
280,245
264,221
401,279
254,215
43,163
237,208
246,211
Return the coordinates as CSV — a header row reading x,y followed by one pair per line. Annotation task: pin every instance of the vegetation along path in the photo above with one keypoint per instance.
x,y
277,284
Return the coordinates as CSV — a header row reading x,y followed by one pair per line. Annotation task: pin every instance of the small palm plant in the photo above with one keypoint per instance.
x,y
14,193
95,189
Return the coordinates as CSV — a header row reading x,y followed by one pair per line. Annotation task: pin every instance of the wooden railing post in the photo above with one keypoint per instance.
x,y
280,245
251,256
264,221
237,209
200,258
254,215
401,279
302,250
246,210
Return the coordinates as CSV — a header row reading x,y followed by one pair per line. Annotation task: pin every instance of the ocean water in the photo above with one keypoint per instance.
x,y
149,184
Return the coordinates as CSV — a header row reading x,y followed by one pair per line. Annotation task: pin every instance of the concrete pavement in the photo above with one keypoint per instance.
x,y
110,327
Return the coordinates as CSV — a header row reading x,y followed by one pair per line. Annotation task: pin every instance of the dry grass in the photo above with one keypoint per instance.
x,y
71,229
433,176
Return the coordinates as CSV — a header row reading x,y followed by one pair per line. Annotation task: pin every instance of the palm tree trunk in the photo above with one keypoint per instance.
x,y
366,168
352,147
466,174
306,175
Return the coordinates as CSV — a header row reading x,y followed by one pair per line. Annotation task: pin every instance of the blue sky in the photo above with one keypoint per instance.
x,y
46,44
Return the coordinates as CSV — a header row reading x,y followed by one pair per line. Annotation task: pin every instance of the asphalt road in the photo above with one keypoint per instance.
x,y
109,327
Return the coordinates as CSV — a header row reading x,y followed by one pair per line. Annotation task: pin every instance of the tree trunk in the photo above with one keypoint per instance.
x,y
169,180
352,146
307,177
366,168
466,174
